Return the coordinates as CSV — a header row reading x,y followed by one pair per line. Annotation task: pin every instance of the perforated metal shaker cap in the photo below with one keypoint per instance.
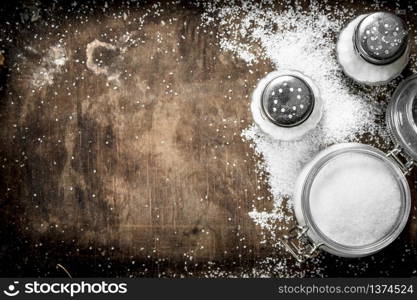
x,y
287,100
381,38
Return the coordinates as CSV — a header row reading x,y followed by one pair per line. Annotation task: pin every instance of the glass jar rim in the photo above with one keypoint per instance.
x,y
402,183
399,118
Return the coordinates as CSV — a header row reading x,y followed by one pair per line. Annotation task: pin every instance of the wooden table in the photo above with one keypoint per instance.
x,y
134,166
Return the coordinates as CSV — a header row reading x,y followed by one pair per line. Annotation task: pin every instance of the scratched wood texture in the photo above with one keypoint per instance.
x,y
144,175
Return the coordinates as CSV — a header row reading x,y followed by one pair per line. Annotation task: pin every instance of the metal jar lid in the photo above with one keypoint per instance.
x,y
381,38
287,101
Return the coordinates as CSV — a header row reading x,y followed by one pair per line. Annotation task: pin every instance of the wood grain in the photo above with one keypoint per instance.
x,y
137,167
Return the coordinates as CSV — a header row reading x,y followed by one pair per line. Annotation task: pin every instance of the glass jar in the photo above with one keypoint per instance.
x,y
401,120
402,117
286,105
374,48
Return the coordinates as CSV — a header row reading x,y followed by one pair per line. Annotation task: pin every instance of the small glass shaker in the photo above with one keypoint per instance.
x,y
374,48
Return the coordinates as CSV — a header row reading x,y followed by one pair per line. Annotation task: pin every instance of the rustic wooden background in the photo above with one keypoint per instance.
x,y
147,175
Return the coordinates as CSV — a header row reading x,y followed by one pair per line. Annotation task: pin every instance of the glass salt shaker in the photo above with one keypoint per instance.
x,y
374,48
286,105
401,118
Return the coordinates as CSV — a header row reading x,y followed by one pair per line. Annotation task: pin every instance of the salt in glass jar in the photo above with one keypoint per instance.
x,y
352,199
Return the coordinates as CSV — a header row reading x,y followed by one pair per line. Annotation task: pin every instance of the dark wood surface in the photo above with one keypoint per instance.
x,y
147,174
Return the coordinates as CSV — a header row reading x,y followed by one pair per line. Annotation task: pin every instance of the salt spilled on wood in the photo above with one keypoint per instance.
x,y
355,199
112,75
303,41
51,64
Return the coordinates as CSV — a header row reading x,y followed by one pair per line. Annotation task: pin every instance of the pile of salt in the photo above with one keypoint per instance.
x,y
355,200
